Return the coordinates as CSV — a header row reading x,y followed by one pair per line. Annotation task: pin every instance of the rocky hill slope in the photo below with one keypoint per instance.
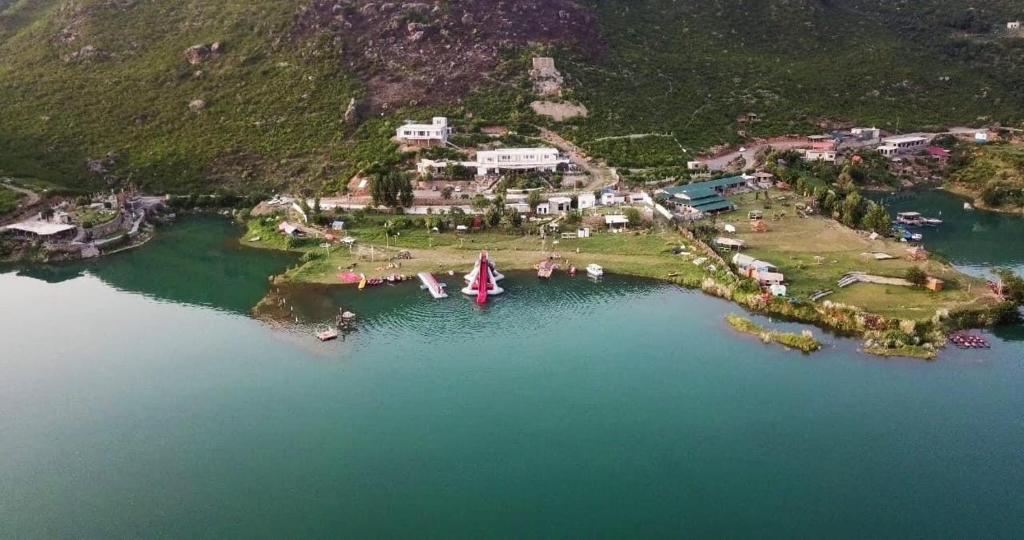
x,y
196,95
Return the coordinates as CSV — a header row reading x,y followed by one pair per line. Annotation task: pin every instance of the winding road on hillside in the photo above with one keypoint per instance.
x,y
601,174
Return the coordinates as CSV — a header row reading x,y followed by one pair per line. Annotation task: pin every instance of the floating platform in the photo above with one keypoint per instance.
x,y
969,341
434,287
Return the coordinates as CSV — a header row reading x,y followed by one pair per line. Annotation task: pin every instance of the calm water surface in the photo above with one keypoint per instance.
x,y
138,398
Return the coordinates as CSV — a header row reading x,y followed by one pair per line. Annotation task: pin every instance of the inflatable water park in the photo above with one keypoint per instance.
x,y
482,281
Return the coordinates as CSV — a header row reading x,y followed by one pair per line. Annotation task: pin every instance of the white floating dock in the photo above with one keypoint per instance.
x,y
430,283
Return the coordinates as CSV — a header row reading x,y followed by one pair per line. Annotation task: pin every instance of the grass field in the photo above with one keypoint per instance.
x,y
814,253
646,254
9,200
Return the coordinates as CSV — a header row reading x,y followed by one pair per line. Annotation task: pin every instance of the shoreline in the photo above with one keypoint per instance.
x,y
974,197
921,337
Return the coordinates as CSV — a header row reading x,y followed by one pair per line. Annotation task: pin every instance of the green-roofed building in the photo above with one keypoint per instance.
x,y
706,197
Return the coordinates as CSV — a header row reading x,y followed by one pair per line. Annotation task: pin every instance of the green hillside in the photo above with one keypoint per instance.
x,y
99,92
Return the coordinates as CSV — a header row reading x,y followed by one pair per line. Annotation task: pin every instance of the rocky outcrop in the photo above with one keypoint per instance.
x,y
352,112
435,52
197,54
197,105
547,80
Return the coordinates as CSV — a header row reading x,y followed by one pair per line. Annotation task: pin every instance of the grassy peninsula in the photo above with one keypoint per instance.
x,y
803,342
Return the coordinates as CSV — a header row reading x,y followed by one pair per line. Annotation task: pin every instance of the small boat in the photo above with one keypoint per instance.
x,y
327,334
931,222
913,219
572,271
362,282
967,206
545,269
595,270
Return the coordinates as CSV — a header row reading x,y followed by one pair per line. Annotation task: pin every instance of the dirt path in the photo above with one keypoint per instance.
x,y
749,154
25,209
33,197
601,175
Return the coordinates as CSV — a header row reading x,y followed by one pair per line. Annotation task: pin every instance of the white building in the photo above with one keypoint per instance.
x,y
828,156
436,132
612,198
519,207
543,209
560,205
616,223
903,144
866,134
586,200
1013,25
518,159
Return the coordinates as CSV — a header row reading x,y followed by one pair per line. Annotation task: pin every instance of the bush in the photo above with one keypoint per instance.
x,y
916,276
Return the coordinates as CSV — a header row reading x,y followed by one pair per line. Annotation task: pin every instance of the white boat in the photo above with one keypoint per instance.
x,y
931,222
595,270
909,218
967,206
327,334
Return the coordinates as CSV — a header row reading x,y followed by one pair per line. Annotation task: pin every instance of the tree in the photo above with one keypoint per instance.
x,y
390,188
916,276
446,193
480,202
852,209
830,204
405,194
845,180
877,219
633,215
1012,286
533,199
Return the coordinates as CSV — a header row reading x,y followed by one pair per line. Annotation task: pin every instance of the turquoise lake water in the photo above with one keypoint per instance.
x,y
138,398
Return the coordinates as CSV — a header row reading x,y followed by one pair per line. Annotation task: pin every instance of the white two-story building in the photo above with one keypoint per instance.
x,y
518,159
893,146
435,133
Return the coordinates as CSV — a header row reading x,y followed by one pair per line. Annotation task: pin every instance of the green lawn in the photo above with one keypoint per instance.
x,y
9,200
815,252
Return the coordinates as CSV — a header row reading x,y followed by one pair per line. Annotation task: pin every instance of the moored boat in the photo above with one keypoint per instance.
x,y
910,218
595,270
545,268
327,334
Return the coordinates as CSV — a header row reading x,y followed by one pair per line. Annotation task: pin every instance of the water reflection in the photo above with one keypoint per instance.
x,y
196,261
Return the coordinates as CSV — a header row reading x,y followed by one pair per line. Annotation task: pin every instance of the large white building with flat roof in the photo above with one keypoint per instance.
x,y
512,159
436,132
892,146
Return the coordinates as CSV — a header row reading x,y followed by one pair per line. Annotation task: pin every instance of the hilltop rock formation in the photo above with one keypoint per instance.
x,y
437,51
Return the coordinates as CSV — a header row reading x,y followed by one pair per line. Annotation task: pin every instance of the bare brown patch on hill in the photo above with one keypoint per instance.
x,y
436,51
